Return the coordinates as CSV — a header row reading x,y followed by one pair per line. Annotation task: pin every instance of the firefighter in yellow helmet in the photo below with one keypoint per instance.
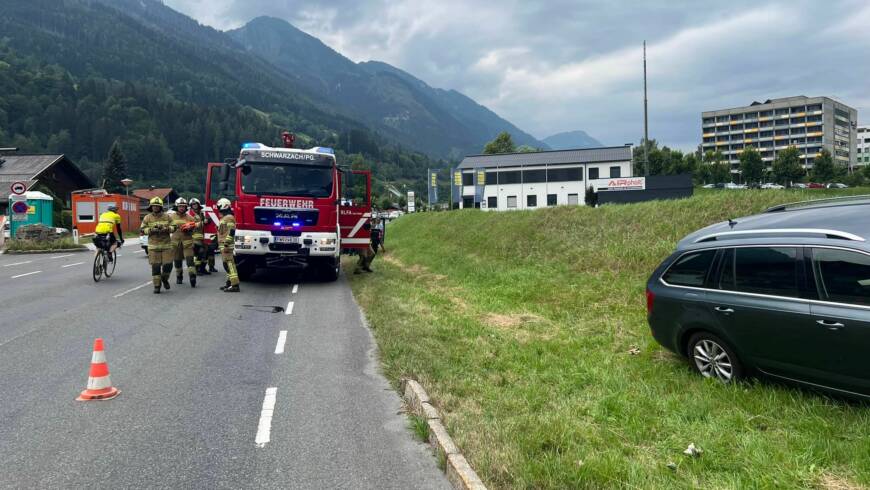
x,y
225,240
182,242
158,226
199,259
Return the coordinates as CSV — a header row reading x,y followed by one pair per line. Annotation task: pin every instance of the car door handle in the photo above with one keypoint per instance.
x,y
831,325
722,309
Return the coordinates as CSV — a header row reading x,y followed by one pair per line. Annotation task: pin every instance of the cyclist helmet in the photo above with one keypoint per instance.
x,y
194,200
180,202
224,204
155,201
113,208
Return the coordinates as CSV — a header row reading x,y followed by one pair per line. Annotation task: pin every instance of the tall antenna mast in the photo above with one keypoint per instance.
x,y
645,122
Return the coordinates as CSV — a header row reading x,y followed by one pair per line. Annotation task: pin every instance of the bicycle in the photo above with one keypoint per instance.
x,y
102,265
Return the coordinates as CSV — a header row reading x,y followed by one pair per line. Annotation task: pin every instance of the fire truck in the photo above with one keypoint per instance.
x,y
293,207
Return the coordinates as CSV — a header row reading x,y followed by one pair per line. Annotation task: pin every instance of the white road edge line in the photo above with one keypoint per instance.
x,y
295,289
289,310
282,339
131,290
70,265
61,256
138,251
264,428
27,274
18,263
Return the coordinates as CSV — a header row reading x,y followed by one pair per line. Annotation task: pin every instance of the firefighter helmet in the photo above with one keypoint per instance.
x,y
194,200
155,201
224,204
180,202
113,208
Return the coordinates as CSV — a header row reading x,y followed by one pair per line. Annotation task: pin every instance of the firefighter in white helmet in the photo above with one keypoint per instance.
x,y
196,213
225,241
182,242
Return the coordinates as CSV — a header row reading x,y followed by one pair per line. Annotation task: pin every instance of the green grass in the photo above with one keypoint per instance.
x,y
34,245
520,326
419,427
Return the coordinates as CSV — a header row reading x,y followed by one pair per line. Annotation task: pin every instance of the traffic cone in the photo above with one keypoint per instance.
x,y
99,385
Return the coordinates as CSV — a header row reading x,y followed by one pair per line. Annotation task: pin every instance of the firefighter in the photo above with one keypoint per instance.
x,y
366,255
225,238
182,242
158,226
199,250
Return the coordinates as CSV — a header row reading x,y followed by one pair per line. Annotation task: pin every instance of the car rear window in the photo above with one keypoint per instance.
x,y
844,276
762,270
690,269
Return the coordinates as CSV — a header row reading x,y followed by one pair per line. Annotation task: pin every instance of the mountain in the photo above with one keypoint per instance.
x,y
571,140
76,75
442,123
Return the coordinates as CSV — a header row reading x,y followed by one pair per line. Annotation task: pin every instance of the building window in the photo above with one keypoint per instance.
x,y
85,211
615,172
468,178
534,176
532,201
492,202
551,200
593,173
573,199
491,178
565,174
467,202
512,177
512,202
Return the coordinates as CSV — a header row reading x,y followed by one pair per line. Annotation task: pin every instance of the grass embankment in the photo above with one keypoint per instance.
x,y
528,329
41,245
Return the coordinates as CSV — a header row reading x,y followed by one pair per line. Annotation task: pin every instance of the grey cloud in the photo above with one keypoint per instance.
x,y
559,65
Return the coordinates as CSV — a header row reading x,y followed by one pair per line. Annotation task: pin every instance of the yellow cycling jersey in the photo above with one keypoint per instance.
x,y
107,222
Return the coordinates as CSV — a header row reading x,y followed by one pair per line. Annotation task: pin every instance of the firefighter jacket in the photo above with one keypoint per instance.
x,y
158,227
227,231
199,218
182,235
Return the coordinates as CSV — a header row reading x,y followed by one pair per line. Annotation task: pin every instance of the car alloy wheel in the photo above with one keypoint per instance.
x,y
713,358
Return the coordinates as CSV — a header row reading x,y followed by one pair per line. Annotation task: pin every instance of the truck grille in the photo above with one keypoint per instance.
x,y
270,216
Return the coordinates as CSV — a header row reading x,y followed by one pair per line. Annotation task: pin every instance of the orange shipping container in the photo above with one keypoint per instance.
x,y
89,204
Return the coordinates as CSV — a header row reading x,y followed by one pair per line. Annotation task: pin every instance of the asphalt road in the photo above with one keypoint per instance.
x,y
194,367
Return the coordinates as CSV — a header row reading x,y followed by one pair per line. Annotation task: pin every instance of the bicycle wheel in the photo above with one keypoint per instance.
x,y
98,266
110,266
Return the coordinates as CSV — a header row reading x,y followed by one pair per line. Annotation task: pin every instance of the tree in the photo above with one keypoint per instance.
x,y
751,165
386,203
720,170
115,169
503,143
527,149
787,166
824,169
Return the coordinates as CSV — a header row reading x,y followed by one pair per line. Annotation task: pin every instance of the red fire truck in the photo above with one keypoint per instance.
x,y
293,207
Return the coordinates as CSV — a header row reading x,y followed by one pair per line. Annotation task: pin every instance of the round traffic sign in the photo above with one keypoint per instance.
x,y
19,188
19,207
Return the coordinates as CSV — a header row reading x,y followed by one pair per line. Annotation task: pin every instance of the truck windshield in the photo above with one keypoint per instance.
x,y
280,179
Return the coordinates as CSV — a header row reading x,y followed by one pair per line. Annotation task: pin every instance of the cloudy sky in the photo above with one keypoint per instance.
x,y
559,65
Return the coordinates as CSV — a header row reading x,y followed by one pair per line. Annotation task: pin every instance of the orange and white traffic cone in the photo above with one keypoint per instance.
x,y
99,385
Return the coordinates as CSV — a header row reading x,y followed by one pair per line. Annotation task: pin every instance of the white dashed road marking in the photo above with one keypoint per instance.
x,y
61,256
289,310
131,290
295,289
264,428
282,339
18,263
70,265
27,274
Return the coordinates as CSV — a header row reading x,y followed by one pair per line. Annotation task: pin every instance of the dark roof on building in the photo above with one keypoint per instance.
x,y
147,194
556,157
30,168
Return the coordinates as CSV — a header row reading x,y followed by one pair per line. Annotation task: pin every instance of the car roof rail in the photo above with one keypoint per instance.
x,y
836,234
829,201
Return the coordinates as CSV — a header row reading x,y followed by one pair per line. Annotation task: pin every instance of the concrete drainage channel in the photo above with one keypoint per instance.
x,y
459,472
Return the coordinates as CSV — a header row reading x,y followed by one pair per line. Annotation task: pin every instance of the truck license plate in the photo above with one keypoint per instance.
x,y
286,239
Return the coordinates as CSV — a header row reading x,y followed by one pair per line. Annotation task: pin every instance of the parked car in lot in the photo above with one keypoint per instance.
x,y
799,185
732,185
143,242
708,186
771,185
837,185
784,294
815,185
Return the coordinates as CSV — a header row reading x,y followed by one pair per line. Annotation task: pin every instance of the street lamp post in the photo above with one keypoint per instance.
x,y
126,183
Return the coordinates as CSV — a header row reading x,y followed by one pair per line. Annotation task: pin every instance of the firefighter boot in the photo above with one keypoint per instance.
x,y
226,286
232,289
193,281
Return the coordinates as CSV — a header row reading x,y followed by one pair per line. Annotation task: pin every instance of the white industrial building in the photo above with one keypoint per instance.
x,y
539,179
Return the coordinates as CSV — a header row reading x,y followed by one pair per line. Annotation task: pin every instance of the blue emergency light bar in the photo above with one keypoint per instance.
x,y
251,145
323,149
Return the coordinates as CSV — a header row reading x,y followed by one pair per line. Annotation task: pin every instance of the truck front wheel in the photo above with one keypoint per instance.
x,y
246,268
330,269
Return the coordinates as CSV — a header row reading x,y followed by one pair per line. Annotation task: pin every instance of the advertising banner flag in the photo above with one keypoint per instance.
x,y
479,183
433,187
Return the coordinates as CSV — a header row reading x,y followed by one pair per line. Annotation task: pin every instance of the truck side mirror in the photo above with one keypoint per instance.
x,y
224,178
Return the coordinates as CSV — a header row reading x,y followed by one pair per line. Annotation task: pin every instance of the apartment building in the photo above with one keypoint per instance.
x,y
863,157
808,123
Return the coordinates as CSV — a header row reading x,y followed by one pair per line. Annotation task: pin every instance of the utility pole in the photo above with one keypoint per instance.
x,y
645,120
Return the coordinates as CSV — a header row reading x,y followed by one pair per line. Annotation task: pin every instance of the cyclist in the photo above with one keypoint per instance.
x,y
105,231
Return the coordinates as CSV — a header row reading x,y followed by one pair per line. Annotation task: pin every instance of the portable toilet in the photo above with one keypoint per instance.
x,y
40,209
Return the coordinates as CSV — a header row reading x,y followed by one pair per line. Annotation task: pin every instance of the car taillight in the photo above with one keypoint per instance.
x,y
650,300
